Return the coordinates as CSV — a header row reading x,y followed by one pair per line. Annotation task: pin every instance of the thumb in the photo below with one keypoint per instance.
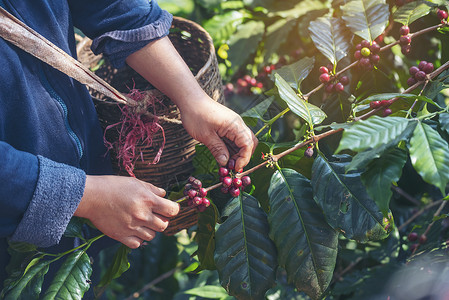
x,y
218,149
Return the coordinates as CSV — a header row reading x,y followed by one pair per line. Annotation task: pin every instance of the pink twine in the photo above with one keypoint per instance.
x,y
135,128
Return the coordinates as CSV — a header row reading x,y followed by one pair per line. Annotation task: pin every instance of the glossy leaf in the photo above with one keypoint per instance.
x,y
222,26
362,159
296,72
443,119
372,133
72,279
366,18
331,37
345,202
307,245
206,238
208,291
429,155
29,285
75,228
308,112
244,42
257,112
410,12
120,265
381,173
244,254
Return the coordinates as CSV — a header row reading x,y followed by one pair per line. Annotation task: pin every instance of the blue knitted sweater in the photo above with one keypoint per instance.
x,y
50,137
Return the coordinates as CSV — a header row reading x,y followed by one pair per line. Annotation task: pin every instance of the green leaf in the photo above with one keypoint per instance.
x,y
276,35
366,18
380,174
222,26
429,155
29,285
257,112
206,238
444,121
72,279
362,159
331,37
244,254
345,202
410,12
120,265
308,112
307,245
372,133
244,42
388,96
22,246
295,73
203,161
208,291
75,228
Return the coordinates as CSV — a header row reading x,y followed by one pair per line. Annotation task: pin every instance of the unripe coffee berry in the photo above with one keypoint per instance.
x,y
324,77
365,51
404,30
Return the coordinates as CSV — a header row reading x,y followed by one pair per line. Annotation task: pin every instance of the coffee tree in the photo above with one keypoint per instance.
x,y
347,196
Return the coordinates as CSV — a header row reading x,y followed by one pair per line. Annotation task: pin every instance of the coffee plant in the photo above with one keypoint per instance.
x,y
352,194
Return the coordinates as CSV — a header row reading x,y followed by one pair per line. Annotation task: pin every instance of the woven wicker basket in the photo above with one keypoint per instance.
x,y
195,46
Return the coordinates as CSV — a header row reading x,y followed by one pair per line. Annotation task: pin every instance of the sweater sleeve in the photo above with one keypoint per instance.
x,y
40,198
120,27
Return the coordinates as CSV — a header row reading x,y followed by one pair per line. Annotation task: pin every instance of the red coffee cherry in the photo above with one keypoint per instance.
x,y
227,181
404,30
231,164
412,236
323,69
202,192
237,182
246,180
234,192
325,77
374,104
222,172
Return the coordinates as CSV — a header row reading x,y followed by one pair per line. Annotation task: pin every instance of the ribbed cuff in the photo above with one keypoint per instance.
x,y
118,45
58,192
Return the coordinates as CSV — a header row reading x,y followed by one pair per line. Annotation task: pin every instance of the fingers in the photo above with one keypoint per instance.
x,y
154,189
166,208
132,242
245,140
218,149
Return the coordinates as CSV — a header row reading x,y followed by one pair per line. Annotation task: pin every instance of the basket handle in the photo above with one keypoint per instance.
x,y
24,37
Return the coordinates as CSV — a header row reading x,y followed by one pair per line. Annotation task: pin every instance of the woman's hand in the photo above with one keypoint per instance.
x,y
126,209
208,122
